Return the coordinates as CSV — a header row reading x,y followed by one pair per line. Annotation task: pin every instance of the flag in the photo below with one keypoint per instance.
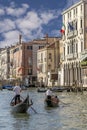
x,y
38,69
63,29
70,26
21,68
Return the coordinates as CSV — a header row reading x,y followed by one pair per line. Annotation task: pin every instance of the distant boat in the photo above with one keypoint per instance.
x,y
41,90
21,107
58,89
52,102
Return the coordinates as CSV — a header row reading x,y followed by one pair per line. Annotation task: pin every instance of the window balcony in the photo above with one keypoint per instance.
x,y
75,55
70,34
81,30
70,56
75,32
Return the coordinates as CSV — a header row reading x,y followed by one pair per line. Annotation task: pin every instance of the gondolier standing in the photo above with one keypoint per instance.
x,y
17,91
48,94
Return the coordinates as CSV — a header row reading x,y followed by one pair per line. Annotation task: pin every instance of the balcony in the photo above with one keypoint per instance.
x,y
80,30
75,32
70,56
75,55
70,34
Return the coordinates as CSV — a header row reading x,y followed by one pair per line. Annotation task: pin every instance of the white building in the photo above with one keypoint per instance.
x,y
48,60
4,63
74,42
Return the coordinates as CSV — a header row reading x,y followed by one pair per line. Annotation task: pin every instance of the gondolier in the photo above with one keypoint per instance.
x,y
17,91
51,100
22,106
48,93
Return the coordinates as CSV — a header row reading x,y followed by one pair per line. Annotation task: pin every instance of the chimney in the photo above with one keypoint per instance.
x,y
20,37
47,38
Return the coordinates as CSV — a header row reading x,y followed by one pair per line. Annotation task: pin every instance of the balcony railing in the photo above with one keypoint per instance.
x,y
70,56
70,34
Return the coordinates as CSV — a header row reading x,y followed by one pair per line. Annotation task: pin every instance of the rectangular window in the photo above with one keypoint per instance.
x,y
76,47
81,46
41,56
40,47
30,61
81,23
29,47
64,51
50,56
15,50
30,71
68,50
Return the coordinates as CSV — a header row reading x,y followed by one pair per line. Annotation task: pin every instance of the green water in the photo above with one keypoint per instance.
x,y
69,116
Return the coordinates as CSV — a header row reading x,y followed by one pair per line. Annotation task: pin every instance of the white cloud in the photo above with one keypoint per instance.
x,y
71,2
47,16
29,23
2,12
6,25
56,33
14,11
11,34
11,37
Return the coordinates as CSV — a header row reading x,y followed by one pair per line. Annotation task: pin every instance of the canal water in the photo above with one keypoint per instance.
x,y
70,115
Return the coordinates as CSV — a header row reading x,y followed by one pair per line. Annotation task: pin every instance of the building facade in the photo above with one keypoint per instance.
x,y
4,63
48,60
74,42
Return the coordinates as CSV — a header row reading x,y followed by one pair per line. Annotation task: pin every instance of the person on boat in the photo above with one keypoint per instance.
x,y
55,99
48,93
17,89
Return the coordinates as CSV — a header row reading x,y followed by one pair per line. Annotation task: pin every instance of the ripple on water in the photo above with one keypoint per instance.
x,y
66,117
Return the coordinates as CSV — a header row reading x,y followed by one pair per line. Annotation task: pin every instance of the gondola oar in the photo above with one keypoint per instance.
x,y
12,99
64,102
33,109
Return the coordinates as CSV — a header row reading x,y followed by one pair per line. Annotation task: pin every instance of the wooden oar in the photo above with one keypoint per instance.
x,y
64,102
12,99
33,109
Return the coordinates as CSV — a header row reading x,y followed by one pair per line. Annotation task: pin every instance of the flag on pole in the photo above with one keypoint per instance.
x,y
21,68
38,69
63,29
70,26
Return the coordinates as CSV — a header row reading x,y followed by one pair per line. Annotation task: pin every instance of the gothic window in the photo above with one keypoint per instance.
x,y
50,56
81,23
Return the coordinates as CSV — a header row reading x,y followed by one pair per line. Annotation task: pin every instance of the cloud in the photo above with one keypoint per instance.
x,y
47,16
2,12
14,11
11,37
71,2
25,21
6,25
56,33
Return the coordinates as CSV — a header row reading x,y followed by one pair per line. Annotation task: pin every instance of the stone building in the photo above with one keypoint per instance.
x,y
4,63
74,42
23,59
48,59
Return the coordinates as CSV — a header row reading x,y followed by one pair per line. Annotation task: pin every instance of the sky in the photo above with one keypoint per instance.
x,y
33,19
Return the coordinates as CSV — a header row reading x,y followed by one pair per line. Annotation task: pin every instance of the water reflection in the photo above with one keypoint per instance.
x,y
72,116
20,121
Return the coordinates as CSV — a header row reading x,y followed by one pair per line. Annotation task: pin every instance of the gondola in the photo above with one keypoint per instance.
x,y
53,101
22,106
42,90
